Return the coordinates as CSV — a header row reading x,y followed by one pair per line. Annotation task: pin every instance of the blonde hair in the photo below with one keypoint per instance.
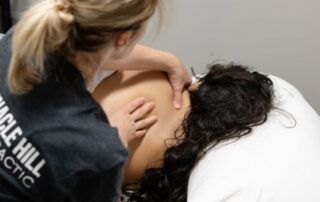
x,y
68,26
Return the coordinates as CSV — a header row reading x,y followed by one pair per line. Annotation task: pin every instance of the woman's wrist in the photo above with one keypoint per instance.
x,y
156,59
171,62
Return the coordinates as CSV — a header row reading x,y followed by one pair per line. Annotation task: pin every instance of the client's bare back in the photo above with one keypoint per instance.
x,y
122,87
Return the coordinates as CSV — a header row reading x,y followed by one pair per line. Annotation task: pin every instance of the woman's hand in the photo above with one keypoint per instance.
x,y
178,77
133,121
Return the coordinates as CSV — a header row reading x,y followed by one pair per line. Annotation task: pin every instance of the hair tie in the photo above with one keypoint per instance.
x,y
63,5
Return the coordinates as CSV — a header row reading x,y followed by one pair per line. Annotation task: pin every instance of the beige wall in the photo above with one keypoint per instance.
x,y
19,5
281,37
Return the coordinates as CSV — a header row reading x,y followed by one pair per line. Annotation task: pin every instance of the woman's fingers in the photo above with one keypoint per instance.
x,y
141,133
134,120
142,120
135,104
142,111
145,124
178,87
177,98
179,79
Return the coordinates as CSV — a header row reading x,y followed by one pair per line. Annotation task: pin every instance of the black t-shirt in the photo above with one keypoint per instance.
x,y
55,141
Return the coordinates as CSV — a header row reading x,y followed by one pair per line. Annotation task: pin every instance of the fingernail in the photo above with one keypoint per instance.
x,y
178,105
141,100
156,119
153,105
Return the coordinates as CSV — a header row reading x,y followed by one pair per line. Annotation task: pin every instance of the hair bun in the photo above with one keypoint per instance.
x,y
64,5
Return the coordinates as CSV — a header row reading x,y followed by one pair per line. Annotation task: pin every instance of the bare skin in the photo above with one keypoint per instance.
x,y
122,87
122,53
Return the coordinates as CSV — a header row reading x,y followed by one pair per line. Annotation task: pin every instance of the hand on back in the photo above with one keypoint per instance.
x,y
133,120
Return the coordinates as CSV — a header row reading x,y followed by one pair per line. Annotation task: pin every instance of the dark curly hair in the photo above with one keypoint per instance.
x,y
228,103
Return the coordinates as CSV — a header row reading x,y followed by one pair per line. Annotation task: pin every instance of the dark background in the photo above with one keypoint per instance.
x,y
5,16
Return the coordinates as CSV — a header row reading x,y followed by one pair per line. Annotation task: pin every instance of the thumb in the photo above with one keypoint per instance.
x,y
177,98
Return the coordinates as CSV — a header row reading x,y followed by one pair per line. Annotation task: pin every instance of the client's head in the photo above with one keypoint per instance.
x,y
226,104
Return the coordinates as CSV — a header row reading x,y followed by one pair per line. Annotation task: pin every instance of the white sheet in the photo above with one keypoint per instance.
x,y
275,163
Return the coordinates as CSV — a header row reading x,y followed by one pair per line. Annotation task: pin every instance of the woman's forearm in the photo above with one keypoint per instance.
x,y
143,57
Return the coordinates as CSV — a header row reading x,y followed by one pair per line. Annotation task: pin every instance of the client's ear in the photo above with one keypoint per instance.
x,y
194,86
123,39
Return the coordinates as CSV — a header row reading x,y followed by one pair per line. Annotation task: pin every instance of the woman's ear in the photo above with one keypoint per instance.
x,y
123,39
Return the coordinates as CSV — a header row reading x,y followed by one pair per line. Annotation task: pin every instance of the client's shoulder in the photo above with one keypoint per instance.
x,y
131,82
123,86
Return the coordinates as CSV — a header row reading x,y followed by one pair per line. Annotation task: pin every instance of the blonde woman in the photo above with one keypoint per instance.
x,y
55,141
